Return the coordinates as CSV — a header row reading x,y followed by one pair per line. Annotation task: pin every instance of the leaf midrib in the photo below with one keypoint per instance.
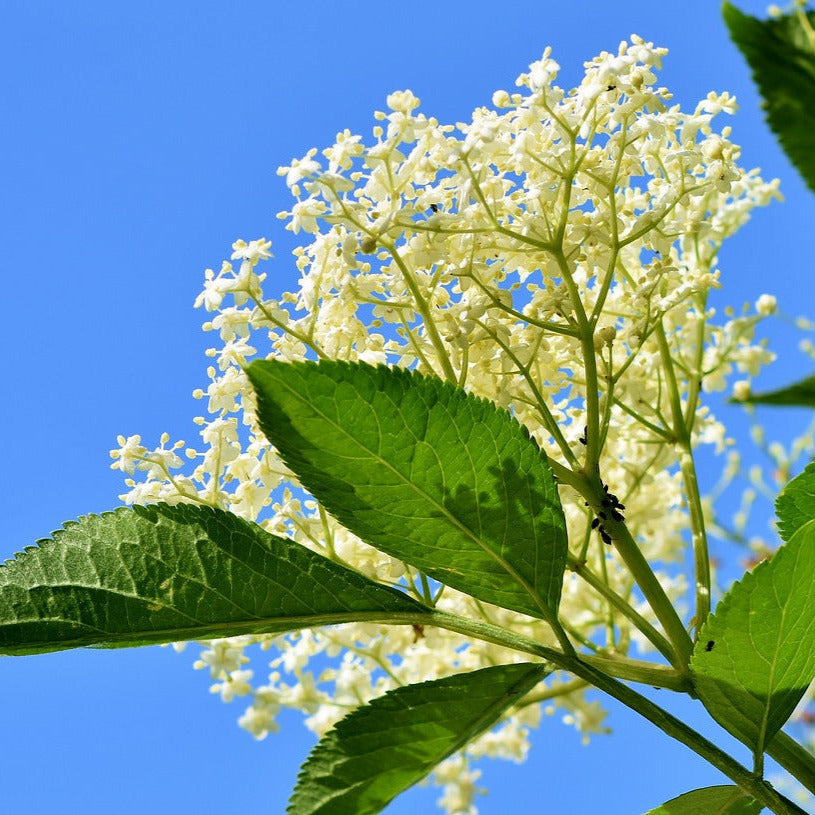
x,y
765,713
774,664
468,532
232,629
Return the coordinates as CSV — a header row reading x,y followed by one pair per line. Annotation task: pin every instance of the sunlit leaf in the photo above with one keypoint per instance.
x,y
724,800
166,573
781,54
795,505
756,653
439,478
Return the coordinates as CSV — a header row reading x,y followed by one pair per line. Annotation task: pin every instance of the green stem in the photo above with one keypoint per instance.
x,y
753,785
328,533
428,595
794,758
637,417
370,654
546,325
552,693
655,638
583,668
695,374
590,367
701,558
647,673
298,335
615,237
641,571
653,591
414,344
422,308
548,420
634,670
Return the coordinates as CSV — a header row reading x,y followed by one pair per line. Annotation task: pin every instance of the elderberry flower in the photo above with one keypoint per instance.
x,y
766,305
558,245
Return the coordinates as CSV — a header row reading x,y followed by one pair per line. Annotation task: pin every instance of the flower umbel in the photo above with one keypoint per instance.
x,y
555,255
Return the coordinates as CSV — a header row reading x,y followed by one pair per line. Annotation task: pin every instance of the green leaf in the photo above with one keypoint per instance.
x,y
724,800
166,573
386,746
439,478
781,55
756,653
799,394
795,504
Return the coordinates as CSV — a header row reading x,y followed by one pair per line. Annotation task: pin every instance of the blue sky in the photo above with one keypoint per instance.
x,y
140,140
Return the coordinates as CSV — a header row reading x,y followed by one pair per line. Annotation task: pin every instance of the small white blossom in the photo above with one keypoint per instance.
x,y
236,683
222,658
300,168
766,305
741,389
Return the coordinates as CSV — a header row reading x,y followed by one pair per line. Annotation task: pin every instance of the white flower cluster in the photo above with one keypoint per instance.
x,y
498,254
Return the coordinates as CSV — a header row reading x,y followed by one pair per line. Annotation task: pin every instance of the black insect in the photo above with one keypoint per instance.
x,y
709,646
597,524
611,509
584,438
434,207
612,503
611,88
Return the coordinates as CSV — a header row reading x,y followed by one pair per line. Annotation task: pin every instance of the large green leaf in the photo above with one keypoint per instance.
x,y
782,58
756,653
384,747
437,477
799,394
724,800
795,504
164,573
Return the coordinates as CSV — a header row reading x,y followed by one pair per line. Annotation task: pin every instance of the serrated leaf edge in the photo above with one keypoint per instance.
x,y
483,721
454,395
